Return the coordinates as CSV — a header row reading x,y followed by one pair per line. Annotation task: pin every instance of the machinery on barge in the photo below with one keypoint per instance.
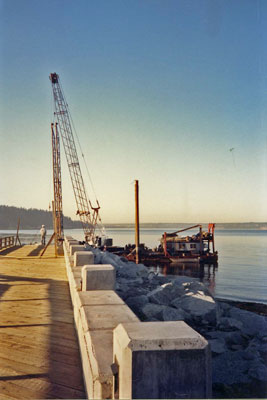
x,y
174,249
198,248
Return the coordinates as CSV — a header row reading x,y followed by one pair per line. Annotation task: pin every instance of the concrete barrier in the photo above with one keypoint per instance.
x,y
98,277
76,247
148,359
94,331
82,258
71,243
160,360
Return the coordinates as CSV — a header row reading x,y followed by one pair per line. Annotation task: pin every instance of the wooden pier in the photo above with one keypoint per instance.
x,y
39,353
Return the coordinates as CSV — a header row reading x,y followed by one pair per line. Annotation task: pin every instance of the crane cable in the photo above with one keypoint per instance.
x,y
79,144
102,228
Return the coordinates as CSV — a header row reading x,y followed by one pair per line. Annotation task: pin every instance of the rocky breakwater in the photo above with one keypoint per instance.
x,y
238,338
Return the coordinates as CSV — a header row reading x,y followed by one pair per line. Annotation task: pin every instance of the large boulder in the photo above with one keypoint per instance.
x,y
253,324
134,291
131,270
109,258
196,287
176,303
200,307
229,324
136,303
173,290
230,368
166,293
172,314
218,346
258,371
142,270
127,271
152,311
158,280
230,338
158,296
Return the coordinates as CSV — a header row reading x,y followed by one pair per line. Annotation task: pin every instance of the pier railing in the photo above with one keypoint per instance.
x,y
7,241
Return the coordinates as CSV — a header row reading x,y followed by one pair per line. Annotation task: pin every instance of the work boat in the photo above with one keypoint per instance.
x,y
198,248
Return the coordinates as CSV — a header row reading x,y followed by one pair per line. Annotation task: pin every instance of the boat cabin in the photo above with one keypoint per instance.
x,y
185,246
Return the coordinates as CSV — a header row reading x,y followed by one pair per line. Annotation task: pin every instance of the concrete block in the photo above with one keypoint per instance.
x,y
161,360
71,242
107,316
83,258
99,297
68,237
98,277
76,247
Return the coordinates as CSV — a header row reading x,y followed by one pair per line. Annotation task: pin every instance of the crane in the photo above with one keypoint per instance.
x,y
57,204
88,214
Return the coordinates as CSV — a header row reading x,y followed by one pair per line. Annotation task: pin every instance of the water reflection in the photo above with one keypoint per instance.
x,y
203,272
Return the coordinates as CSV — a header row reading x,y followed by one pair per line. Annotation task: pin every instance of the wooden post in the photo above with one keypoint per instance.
x,y
137,236
165,244
200,239
17,236
50,240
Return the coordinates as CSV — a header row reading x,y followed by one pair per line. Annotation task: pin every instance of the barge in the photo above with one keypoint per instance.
x,y
198,248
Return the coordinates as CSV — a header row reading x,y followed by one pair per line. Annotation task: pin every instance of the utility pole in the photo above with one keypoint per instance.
x,y
137,236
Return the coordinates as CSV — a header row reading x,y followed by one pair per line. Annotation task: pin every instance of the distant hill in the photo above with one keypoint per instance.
x,y
31,219
179,225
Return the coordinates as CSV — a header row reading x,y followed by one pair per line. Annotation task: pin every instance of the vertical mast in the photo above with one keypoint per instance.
x,y
57,207
137,234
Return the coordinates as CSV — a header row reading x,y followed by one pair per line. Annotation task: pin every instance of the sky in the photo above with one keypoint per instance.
x,y
159,91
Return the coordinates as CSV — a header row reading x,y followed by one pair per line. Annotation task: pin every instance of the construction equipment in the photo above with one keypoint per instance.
x,y
57,203
88,214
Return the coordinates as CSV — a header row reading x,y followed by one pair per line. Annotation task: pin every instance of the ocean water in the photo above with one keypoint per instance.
x,y
241,273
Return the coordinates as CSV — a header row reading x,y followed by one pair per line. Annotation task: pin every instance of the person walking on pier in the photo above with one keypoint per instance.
x,y
43,234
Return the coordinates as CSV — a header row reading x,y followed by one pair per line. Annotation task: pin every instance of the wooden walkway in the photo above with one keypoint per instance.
x,y
39,354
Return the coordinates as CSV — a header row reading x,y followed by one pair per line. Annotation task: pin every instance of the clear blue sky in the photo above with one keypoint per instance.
x,y
159,91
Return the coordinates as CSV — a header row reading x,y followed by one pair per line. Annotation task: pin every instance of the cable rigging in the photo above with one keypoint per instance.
x,y
88,214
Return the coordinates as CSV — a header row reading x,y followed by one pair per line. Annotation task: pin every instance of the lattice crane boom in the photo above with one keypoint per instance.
x,y
88,214
57,205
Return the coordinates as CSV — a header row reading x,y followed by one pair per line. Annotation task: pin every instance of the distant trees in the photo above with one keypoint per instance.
x,y
31,218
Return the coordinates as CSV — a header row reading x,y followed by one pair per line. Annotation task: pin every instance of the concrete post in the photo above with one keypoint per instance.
x,y
98,277
160,360
83,258
76,247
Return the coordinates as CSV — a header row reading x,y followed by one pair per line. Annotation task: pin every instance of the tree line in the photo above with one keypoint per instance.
x,y
31,218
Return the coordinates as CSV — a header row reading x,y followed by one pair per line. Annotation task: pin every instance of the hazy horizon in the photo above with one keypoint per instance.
x,y
154,222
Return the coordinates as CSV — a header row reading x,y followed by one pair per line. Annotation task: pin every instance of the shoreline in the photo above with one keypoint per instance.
x,y
257,308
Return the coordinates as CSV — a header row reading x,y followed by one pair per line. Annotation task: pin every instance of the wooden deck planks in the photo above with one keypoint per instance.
x,y
39,353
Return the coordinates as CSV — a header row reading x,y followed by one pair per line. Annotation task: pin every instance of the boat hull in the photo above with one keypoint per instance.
x,y
208,259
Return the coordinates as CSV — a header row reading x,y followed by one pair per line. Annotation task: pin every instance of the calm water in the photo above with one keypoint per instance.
x,y
242,269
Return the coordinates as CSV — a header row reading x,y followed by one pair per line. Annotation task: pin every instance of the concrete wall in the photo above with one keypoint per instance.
x,y
149,359
96,314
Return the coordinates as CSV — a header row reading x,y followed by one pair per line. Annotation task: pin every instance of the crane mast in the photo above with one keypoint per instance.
x,y
88,214
57,204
